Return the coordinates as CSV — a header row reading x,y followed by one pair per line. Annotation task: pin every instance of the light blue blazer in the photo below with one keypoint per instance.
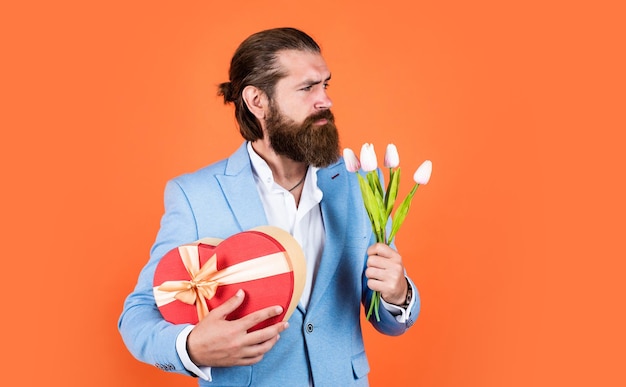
x,y
323,342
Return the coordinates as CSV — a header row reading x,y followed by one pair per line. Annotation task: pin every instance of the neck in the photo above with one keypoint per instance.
x,y
287,173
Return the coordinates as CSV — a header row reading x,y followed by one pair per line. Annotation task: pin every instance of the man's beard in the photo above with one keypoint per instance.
x,y
316,145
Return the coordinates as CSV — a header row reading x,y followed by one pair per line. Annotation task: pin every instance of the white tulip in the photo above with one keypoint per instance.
x,y
422,175
392,159
352,162
368,158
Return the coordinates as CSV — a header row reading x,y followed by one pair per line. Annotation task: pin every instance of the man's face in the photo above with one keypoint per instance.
x,y
314,141
299,123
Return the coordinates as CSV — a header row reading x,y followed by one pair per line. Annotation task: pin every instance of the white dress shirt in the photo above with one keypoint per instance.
x,y
302,221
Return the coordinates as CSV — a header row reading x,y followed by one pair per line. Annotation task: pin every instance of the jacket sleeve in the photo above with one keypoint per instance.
x,y
388,323
146,334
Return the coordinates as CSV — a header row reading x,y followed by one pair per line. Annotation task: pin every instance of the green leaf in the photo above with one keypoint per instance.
x,y
371,206
375,203
392,191
401,212
380,213
374,181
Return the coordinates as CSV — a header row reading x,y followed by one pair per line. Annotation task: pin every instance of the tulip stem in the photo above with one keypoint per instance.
x,y
374,305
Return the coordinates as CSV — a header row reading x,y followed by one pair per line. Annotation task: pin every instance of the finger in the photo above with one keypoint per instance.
x,y
392,274
384,251
375,284
375,248
259,342
375,261
387,291
381,262
255,353
229,305
266,334
374,273
261,315
393,263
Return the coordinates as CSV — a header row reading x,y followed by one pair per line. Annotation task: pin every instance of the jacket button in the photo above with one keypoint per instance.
x,y
309,328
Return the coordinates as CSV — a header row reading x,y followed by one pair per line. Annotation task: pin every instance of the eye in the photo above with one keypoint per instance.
x,y
326,85
307,88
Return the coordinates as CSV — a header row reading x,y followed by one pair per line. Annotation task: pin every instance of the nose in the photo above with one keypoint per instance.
x,y
323,101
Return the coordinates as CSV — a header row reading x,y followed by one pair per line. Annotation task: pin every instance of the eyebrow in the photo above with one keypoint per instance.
x,y
310,82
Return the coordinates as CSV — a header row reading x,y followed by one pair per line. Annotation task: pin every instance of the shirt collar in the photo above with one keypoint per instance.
x,y
265,176
260,168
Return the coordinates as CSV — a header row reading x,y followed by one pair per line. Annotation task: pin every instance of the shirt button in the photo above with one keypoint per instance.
x,y
309,328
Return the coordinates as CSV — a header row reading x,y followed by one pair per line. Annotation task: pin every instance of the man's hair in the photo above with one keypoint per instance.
x,y
255,63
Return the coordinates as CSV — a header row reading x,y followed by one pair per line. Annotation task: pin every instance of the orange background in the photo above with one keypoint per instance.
x,y
516,244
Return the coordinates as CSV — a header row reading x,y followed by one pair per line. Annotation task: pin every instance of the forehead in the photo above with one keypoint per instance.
x,y
302,66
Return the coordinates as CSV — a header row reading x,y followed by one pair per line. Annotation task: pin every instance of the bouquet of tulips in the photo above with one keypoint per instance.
x,y
379,204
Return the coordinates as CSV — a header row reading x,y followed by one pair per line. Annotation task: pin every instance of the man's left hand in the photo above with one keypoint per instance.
x,y
385,273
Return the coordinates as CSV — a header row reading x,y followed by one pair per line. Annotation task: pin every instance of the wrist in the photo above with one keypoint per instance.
x,y
402,301
409,295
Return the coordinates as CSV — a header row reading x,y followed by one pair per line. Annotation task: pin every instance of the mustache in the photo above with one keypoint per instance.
x,y
324,114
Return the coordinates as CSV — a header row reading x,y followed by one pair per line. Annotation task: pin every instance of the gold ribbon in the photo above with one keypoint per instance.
x,y
206,279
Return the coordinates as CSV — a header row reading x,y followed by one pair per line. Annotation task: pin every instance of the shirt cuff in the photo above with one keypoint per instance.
x,y
399,312
181,349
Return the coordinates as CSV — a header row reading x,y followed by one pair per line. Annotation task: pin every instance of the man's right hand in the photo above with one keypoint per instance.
x,y
217,342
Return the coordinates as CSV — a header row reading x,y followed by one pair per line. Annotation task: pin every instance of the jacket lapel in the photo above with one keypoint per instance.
x,y
333,183
240,191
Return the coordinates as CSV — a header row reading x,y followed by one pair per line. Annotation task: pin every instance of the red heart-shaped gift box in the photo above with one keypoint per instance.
x,y
265,262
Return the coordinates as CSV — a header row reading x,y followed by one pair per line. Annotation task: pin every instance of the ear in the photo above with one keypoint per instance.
x,y
255,100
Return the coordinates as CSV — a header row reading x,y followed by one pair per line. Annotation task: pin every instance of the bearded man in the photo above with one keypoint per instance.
x,y
287,174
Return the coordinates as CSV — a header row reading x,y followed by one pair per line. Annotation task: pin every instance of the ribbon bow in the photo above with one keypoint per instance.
x,y
205,280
